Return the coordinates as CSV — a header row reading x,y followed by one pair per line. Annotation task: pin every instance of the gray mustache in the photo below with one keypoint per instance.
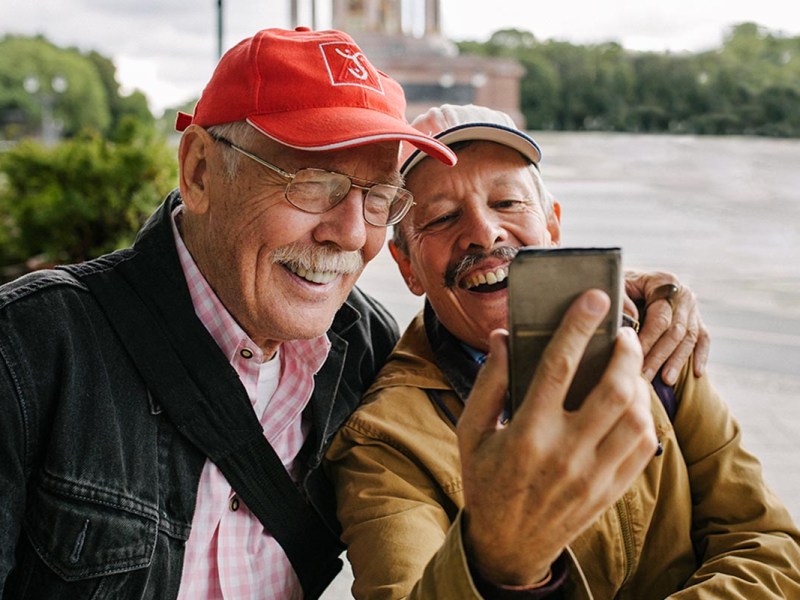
x,y
318,258
468,261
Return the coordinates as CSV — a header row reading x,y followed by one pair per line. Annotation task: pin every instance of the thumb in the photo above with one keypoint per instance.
x,y
488,396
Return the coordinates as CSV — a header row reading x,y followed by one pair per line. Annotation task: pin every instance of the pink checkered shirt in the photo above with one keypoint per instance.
x,y
229,554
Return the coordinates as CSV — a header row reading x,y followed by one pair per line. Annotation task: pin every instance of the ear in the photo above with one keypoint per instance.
x,y
406,270
554,225
192,160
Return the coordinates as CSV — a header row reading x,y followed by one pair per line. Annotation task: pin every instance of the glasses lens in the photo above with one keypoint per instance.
x,y
316,191
386,204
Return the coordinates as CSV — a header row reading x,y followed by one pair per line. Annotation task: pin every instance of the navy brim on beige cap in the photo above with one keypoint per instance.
x,y
450,124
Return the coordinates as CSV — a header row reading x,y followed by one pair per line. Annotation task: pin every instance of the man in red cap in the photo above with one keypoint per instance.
x,y
166,407
163,405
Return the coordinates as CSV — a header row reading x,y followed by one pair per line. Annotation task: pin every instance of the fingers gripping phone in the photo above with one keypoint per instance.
x,y
542,284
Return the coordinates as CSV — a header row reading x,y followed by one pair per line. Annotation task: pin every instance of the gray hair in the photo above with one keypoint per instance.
x,y
240,133
545,197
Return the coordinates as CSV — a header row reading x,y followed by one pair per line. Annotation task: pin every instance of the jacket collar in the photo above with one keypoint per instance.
x,y
458,367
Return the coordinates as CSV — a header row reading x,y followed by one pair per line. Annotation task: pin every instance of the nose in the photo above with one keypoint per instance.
x,y
480,228
344,224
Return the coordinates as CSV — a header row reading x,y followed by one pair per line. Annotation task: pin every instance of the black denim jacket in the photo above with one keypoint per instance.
x,y
97,485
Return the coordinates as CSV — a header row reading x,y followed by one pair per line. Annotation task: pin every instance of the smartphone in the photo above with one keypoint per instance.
x,y
542,284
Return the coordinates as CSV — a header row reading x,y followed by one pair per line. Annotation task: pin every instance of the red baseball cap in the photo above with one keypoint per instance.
x,y
311,90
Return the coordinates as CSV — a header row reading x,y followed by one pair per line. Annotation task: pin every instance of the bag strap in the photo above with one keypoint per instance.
x,y
246,459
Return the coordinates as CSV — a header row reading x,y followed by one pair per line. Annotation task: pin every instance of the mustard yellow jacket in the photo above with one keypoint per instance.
x,y
698,523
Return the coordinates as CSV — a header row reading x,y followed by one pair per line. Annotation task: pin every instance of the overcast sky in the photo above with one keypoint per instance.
x,y
167,48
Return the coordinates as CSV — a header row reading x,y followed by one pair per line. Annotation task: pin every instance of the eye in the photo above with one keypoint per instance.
x,y
439,222
382,194
511,204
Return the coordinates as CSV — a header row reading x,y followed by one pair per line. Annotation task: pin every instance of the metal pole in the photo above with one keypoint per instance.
x,y
219,28
314,14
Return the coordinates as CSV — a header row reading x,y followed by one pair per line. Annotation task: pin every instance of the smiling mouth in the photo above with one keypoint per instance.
x,y
485,283
319,277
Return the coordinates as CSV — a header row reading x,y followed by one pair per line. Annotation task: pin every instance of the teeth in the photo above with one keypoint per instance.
x,y
313,276
490,278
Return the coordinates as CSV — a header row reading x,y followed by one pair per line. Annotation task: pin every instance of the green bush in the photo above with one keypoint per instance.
x,y
81,198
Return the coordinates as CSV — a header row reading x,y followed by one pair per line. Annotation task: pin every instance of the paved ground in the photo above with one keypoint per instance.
x,y
722,213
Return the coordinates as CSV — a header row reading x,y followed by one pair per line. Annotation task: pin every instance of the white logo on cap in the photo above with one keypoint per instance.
x,y
361,71
347,65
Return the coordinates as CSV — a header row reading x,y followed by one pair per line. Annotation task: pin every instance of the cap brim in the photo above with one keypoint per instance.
x,y
328,129
488,132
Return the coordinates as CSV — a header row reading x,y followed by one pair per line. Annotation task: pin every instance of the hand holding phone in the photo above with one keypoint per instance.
x,y
542,284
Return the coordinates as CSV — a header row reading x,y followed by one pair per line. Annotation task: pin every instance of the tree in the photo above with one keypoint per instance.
x,y
133,105
80,198
30,68
41,83
576,74
511,40
781,117
540,91
749,85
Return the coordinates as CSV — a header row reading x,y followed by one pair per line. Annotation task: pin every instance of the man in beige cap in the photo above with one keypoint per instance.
x,y
438,499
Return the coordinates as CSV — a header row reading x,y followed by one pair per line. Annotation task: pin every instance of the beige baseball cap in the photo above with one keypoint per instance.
x,y
451,123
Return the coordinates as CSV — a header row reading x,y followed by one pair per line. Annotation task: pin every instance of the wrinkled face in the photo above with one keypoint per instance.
x,y
281,272
466,220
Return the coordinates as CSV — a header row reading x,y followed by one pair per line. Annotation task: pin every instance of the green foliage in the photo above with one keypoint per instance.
x,y
512,40
84,102
751,85
90,193
166,123
540,90
82,197
121,107
88,97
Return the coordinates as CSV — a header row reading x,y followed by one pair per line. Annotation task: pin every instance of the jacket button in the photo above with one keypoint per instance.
x,y
234,504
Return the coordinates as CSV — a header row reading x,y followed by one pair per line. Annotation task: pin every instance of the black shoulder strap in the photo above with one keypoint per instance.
x,y
246,458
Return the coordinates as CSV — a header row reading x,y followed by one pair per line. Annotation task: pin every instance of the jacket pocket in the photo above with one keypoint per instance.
x,y
80,531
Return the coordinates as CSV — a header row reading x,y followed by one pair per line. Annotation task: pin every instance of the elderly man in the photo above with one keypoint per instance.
x,y
160,404
438,499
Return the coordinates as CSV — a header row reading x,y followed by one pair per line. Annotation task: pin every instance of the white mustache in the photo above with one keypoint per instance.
x,y
320,259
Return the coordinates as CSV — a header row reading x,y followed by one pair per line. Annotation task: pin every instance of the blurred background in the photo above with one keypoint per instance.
x,y
669,129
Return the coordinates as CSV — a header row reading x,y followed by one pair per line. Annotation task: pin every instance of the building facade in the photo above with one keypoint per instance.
x,y
404,38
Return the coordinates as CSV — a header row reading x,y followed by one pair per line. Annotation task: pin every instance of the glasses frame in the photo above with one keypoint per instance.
x,y
291,176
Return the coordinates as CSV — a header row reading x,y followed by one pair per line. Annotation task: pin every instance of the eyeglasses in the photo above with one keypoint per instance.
x,y
318,191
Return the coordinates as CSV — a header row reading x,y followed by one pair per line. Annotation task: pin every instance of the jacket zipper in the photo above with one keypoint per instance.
x,y
627,536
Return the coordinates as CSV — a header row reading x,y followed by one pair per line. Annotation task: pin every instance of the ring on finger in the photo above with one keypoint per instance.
x,y
667,292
